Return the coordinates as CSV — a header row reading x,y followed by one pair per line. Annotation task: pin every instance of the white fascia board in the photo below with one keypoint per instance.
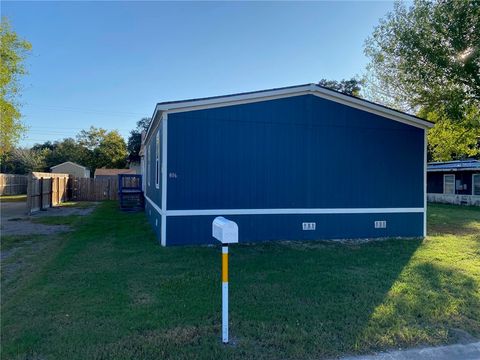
x,y
234,99
425,147
290,92
154,123
294,211
370,107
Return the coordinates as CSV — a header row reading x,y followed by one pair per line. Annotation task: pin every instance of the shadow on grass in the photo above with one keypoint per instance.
x,y
428,304
315,299
113,292
453,219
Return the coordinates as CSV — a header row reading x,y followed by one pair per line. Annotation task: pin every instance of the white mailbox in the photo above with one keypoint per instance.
x,y
226,231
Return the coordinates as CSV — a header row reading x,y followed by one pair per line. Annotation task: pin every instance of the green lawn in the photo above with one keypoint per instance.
x,y
107,290
13,198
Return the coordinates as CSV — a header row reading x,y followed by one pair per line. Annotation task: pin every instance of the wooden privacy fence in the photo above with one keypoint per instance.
x,y
12,184
86,189
46,190
100,188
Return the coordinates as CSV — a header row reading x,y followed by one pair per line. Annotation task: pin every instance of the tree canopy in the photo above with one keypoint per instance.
x,y
135,139
425,59
92,148
13,51
349,87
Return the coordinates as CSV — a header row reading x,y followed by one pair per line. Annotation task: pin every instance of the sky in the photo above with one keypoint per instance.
x,y
107,64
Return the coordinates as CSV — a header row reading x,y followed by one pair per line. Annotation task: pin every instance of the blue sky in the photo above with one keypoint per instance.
x,y
108,63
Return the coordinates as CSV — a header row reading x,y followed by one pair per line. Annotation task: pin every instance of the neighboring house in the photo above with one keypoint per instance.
x,y
72,169
302,163
112,173
454,182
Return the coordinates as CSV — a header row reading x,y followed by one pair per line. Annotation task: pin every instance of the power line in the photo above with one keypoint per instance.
x,y
84,110
68,128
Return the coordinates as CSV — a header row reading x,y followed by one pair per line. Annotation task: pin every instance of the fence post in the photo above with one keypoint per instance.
x,y
40,186
51,192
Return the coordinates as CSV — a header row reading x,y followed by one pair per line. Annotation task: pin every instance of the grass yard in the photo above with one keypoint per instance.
x,y
13,198
107,290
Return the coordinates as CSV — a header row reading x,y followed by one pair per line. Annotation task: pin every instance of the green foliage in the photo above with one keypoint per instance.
x,y
67,150
94,148
135,139
13,51
427,58
450,140
429,55
110,152
92,137
349,87
23,161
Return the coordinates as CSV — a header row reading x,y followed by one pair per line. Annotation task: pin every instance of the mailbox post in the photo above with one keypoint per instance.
x,y
226,232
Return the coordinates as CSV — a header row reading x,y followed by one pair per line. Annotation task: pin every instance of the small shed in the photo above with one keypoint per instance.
x,y
454,182
104,173
72,169
301,163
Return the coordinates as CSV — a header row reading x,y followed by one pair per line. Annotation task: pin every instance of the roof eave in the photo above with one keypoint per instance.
x,y
313,89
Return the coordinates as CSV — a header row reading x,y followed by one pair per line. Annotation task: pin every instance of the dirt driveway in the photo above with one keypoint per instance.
x,y
16,221
10,210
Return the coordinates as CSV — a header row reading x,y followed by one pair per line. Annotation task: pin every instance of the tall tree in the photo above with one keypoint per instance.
x,y
23,161
350,87
428,55
111,151
92,137
449,139
426,59
66,150
13,51
135,139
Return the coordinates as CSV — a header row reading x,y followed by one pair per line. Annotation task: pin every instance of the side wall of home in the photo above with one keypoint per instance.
x,y
274,165
153,179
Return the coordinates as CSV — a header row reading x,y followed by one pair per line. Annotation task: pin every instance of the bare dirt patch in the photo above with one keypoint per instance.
x,y
28,240
15,221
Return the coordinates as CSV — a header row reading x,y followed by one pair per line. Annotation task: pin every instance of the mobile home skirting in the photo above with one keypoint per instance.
x,y
263,226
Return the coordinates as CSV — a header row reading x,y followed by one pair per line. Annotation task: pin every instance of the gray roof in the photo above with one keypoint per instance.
x,y
456,165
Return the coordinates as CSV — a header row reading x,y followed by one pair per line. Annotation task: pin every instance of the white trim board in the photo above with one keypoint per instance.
x,y
293,211
312,89
164,169
454,184
473,184
155,206
425,142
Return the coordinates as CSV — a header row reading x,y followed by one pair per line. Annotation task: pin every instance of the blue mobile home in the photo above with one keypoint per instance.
x,y
301,162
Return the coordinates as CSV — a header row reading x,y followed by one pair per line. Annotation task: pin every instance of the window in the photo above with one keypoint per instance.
x,y
476,184
157,162
449,184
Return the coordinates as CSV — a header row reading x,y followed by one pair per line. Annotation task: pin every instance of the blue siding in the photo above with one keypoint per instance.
x,y
183,230
154,218
150,188
297,152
